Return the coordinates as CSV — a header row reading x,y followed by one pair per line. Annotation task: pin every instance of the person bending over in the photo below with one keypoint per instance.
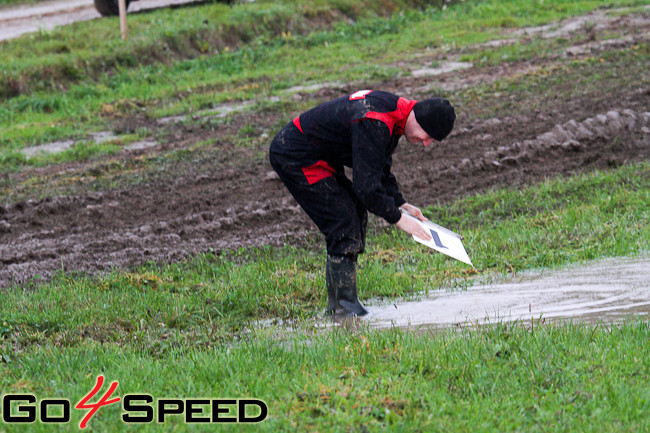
x,y
361,131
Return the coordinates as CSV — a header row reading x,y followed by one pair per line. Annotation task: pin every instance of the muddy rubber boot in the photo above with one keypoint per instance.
x,y
331,290
341,277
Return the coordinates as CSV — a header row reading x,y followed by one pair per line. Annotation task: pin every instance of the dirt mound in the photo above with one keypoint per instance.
x,y
571,136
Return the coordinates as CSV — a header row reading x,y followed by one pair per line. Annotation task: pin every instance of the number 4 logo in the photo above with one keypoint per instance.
x,y
94,407
361,94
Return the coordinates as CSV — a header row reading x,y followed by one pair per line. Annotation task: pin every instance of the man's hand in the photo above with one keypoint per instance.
x,y
410,226
413,210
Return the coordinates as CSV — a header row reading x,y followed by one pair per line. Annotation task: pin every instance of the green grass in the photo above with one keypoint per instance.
x,y
92,49
537,89
151,75
503,378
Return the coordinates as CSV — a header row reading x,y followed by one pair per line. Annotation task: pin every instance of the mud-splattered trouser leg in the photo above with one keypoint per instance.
x,y
330,202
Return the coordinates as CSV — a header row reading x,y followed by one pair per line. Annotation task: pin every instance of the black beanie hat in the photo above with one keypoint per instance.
x,y
436,116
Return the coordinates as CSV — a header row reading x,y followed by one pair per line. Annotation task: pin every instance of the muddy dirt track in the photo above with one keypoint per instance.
x,y
230,198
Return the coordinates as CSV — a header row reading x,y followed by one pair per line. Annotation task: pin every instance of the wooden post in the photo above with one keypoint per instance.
x,y
122,7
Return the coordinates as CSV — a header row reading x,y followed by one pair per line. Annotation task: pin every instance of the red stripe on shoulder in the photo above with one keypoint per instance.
x,y
390,119
395,120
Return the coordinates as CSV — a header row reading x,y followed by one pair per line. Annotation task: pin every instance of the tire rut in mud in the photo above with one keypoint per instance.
x,y
166,221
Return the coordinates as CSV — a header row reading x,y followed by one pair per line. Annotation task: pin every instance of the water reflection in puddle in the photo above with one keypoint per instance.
x,y
607,290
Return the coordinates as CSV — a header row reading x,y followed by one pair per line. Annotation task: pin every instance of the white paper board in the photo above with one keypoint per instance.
x,y
443,240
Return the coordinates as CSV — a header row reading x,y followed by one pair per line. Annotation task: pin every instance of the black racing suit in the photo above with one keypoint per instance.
x,y
361,131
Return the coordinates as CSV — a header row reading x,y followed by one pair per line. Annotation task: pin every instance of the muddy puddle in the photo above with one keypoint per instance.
x,y
443,68
608,291
55,147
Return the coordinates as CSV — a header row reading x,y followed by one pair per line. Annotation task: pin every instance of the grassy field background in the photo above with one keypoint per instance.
x,y
187,329
77,79
506,378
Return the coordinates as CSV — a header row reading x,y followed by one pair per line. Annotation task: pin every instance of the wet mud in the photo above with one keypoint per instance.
x,y
229,197
606,291
230,207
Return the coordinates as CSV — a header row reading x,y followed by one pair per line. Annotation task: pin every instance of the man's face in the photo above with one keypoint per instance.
x,y
414,133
